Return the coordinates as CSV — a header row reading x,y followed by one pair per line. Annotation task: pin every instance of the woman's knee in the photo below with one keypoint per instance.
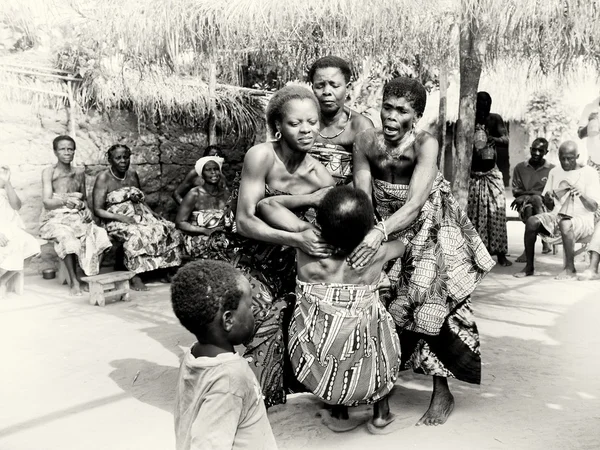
x,y
533,224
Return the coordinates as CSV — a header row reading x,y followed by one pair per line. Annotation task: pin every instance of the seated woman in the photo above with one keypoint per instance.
x,y
200,213
194,176
66,218
264,252
149,241
16,245
339,304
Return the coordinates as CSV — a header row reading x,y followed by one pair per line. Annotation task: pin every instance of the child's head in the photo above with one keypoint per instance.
x,y
213,301
345,216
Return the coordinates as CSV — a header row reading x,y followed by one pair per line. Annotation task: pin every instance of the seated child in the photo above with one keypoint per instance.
x,y
219,403
343,343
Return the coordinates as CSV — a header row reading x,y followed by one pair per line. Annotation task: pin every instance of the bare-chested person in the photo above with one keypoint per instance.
x,y
445,258
66,219
194,178
200,213
330,77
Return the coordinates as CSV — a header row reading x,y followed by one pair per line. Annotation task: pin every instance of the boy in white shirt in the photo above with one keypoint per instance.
x,y
219,404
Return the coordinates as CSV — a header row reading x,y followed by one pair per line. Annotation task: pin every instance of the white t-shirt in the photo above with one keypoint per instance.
x,y
585,179
592,142
219,405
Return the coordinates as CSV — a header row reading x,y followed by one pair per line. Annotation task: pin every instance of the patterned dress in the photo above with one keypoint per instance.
x,y
196,245
21,245
75,232
336,160
445,260
151,243
343,343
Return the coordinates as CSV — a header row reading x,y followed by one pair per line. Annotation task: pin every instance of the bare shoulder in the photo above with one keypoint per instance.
x,y
360,122
367,137
425,142
102,176
47,172
260,151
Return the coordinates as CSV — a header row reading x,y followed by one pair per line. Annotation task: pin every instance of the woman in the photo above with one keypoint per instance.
x,y
149,241
265,253
202,208
16,245
487,204
330,78
194,176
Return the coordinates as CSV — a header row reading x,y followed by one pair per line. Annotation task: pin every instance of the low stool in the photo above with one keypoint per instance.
x,y
106,285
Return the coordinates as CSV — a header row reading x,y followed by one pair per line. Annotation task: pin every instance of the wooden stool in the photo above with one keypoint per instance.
x,y
16,283
112,284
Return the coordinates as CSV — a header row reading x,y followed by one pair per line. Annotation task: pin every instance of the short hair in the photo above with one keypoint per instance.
x,y
345,216
211,148
63,137
115,147
276,106
201,289
330,61
410,89
540,140
482,95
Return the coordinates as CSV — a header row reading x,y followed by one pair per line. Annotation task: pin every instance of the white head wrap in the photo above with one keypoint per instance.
x,y
202,162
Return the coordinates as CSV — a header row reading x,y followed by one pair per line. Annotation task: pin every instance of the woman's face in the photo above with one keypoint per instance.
x,y
397,118
65,151
329,86
211,173
300,124
120,159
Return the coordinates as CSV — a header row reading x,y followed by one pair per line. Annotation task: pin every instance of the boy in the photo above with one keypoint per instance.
x,y
343,344
218,403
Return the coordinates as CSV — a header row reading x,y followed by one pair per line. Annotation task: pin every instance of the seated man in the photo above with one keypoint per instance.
x,y
66,218
529,179
574,193
194,176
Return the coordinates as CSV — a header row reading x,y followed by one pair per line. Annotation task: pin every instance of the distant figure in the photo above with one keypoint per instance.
x,y
330,77
589,129
218,401
200,213
572,194
16,245
487,203
149,241
194,176
529,179
328,291
66,218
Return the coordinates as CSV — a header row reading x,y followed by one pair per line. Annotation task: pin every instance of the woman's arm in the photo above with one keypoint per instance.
x,y
99,196
183,214
276,211
13,198
49,202
185,186
362,168
500,133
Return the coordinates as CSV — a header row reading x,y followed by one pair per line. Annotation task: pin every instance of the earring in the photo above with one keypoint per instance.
x,y
278,135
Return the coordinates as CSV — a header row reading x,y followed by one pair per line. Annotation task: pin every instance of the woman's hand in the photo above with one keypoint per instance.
x,y
317,196
312,244
126,219
363,254
3,240
71,203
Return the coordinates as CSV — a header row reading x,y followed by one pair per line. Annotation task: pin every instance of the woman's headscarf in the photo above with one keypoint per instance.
x,y
202,162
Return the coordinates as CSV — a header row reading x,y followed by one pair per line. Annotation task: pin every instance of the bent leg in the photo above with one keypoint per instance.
x,y
532,228
71,264
568,239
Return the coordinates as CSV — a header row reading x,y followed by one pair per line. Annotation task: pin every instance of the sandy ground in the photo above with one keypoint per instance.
x,y
75,376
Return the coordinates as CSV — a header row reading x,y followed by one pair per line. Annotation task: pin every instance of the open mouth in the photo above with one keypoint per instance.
x,y
390,131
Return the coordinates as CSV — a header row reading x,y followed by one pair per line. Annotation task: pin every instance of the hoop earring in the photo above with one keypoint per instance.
x,y
278,135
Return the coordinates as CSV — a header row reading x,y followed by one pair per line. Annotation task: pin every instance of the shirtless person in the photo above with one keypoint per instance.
x,y
444,260
194,177
330,78
67,219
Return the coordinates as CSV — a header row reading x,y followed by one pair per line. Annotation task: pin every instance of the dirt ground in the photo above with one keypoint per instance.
x,y
78,377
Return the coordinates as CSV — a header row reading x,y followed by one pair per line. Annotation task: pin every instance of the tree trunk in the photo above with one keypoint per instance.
x,y
442,117
470,73
212,118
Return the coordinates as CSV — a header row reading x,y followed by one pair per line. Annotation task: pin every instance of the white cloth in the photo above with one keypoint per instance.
x,y
586,180
202,162
21,245
219,405
592,150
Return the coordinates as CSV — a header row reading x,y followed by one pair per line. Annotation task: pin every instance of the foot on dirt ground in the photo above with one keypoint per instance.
x,y
76,289
503,261
588,275
340,425
440,408
524,273
566,275
137,284
379,425
521,259
546,248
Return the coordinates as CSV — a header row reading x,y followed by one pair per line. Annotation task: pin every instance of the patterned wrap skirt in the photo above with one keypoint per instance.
x,y
429,299
343,343
336,160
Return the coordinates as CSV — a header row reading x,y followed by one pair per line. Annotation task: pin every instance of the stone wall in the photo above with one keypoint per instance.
x,y
162,154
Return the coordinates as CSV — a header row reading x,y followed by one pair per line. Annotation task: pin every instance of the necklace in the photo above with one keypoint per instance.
x,y
342,130
407,140
113,174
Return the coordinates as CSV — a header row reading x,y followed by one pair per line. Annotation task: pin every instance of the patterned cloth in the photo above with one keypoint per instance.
x,y
195,245
487,209
336,159
21,245
343,343
151,243
444,262
75,233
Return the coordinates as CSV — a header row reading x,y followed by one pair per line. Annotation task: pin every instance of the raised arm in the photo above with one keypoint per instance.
x,y
185,186
183,214
13,198
362,169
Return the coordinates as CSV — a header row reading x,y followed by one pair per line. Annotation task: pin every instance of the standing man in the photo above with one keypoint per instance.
x,y
589,129
529,179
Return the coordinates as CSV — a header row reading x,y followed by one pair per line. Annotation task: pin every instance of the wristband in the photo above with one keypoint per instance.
x,y
381,228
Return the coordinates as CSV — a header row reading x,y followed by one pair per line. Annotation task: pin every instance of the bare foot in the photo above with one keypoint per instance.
x,y
340,425
566,275
137,284
524,273
588,274
442,404
503,261
546,248
75,289
522,258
